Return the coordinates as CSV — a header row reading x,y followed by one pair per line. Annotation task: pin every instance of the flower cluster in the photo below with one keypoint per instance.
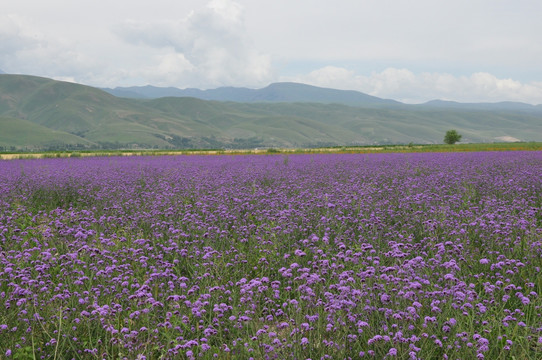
x,y
407,256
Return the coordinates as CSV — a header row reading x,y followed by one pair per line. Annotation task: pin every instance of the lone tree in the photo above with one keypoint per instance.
x,y
451,137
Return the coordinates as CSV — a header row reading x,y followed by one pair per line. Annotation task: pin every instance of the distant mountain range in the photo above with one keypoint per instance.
x,y
277,92
295,92
498,106
39,113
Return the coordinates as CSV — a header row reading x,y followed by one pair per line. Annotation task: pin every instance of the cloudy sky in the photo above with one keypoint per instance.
x,y
408,50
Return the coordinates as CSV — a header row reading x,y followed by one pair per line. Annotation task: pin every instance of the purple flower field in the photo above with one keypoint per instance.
x,y
383,256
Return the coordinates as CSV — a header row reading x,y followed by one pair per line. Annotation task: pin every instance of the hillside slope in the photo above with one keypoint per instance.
x,y
16,133
84,116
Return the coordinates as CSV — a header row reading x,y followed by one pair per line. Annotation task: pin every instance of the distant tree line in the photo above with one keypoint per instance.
x,y
174,142
211,142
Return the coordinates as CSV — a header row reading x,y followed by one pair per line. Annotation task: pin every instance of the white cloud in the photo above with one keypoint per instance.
x,y
407,86
461,50
14,37
213,43
171,68
207,47
228,9
25,49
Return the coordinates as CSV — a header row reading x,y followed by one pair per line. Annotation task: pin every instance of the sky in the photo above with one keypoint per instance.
x,y
408,50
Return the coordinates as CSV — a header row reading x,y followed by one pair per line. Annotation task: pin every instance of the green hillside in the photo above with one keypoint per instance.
x,y
23,133
43,113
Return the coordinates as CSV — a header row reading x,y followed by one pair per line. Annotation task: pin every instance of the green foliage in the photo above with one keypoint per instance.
x,y
451,137
54,197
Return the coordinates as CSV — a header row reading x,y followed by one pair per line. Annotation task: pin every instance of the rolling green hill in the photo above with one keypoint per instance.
x,y
19,133
39,113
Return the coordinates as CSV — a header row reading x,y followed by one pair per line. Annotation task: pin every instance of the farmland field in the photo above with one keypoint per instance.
x,y
320,256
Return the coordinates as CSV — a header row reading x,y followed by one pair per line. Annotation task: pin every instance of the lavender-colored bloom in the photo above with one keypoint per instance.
x,y
299,252
254,254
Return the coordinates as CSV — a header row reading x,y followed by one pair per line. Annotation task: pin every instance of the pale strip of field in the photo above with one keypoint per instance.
x,y
17,156
88,154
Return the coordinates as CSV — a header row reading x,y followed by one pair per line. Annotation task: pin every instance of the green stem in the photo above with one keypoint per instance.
x,y
59,331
